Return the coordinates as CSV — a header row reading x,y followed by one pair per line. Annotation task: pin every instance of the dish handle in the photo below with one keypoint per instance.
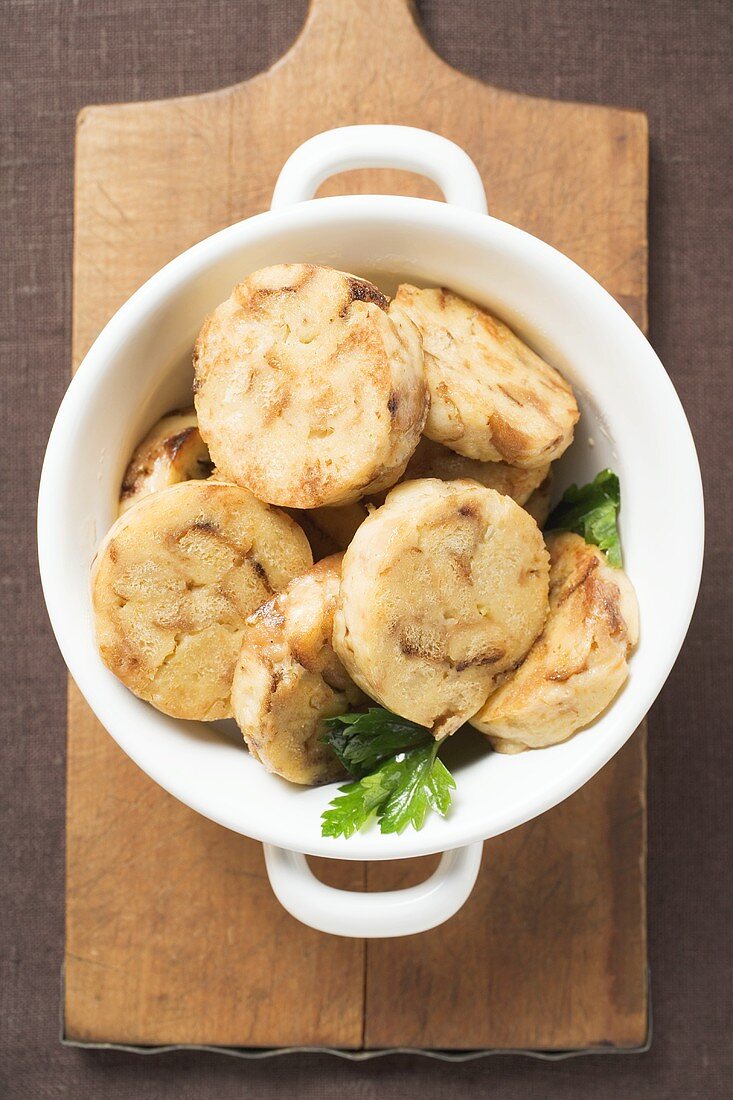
x,y
379,914
405,147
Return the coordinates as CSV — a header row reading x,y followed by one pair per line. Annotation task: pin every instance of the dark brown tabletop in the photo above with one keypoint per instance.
x,y
670,59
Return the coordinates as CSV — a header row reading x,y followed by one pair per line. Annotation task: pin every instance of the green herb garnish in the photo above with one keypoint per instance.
x,y
400,778
364,741
592,511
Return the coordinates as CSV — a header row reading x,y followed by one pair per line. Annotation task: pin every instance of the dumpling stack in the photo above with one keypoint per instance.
x,y
408,444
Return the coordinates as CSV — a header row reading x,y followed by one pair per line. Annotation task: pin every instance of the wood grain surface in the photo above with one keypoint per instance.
x,y
172,933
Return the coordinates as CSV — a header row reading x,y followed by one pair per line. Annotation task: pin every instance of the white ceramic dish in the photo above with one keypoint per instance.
x,y
632,420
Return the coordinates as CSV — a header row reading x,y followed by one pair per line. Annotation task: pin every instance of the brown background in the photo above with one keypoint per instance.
x,y
669,59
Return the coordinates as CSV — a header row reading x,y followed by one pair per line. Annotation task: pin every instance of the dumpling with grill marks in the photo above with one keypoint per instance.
x,y
443,589
173,583
288,678
578,664
309,386
491,397
171,452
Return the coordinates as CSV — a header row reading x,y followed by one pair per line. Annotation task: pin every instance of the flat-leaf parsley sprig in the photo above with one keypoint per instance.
x,y
592,511
399,777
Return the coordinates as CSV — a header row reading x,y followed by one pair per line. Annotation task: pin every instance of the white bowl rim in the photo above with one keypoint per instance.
x,y
368,846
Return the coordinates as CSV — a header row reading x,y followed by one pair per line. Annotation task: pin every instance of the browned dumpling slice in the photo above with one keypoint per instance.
x,y
491,397
173,451
444,587
288,678
308,390
538,504
330,530
578,664
173,583
432,459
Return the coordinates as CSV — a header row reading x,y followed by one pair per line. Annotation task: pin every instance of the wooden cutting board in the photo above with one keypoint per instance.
x,y
172,933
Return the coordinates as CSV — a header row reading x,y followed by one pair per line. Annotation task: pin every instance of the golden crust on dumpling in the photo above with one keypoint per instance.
x,y
444,587
578,664
491,397
309,387
432,459
174,581
288,678
171,452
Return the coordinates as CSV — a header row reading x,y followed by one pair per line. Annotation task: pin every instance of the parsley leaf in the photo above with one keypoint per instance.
x,y
592,512
354,806
364,741
401,792
419,783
